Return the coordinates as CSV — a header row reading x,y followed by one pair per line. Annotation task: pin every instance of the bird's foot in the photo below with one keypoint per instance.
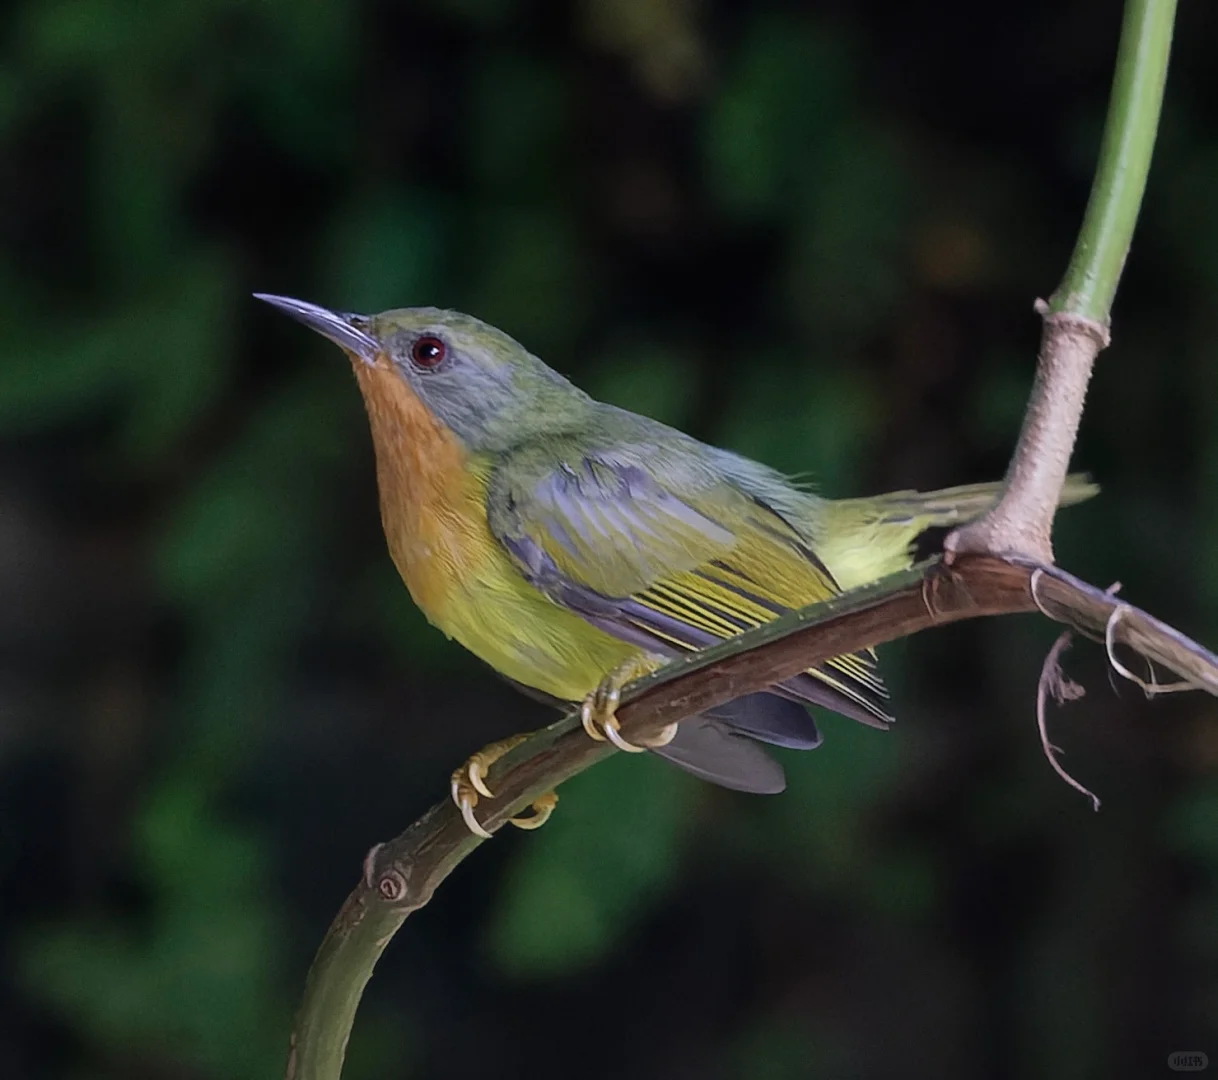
x,y
469,782
598,713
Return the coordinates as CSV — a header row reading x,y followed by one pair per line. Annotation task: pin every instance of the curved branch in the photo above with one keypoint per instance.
x,y
401,876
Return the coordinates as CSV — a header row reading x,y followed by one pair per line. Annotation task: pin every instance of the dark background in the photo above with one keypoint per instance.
x,y
812,233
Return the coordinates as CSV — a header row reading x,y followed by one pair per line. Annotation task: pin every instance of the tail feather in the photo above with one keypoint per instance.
x,y
956,505
713,750
865,539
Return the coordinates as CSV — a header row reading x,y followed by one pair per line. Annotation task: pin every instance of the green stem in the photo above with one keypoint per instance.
x,y
1120,179
1076,318
344,963
336,982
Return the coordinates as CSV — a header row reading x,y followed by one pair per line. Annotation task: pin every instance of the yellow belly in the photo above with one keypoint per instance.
x,y
524,635
468,586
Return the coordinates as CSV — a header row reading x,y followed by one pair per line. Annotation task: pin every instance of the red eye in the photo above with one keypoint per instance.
x,y
428,351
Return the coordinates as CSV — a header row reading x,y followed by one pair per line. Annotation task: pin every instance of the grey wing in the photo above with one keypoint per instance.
x,y
595,532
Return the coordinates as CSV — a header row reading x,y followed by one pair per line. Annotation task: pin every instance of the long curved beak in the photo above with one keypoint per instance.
x,y
334,325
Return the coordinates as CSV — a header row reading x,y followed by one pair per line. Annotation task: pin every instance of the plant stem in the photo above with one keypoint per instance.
x,y
1076,317
1091,279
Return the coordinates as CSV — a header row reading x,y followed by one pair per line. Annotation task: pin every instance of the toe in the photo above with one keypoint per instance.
x,y
588,717
466,806
477,770
614,735
662,738
543,807
465,799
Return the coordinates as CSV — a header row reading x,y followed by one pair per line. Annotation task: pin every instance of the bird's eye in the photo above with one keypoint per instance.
x,y
428,351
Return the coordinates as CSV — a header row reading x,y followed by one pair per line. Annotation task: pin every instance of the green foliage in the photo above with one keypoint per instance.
x,y
610,857
246,521
518,114
200,982
788,89
164,358
819,821
527,271
825,419
647,377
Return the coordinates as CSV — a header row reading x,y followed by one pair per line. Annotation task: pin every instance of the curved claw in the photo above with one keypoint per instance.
x,y
469,782
663,737
543,807
613,733
587,718
475,768
598,715
466,801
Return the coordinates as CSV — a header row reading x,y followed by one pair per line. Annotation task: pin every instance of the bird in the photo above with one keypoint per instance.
x,y
574,546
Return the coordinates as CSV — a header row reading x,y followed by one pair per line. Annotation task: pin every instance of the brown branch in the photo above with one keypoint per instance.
x,y
1023,519
401,876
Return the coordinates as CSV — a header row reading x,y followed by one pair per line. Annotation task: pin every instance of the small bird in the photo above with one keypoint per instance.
x,y
574,546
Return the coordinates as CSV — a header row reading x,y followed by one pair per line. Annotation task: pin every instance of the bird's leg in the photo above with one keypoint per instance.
x,y
469,781
598,713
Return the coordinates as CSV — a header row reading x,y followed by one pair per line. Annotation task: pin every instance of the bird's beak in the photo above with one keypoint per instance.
x,y
338,327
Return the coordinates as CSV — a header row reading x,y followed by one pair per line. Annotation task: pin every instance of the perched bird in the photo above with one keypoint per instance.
x,y
573,545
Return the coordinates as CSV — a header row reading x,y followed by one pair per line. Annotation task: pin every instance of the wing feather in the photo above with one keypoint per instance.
x,y
671,557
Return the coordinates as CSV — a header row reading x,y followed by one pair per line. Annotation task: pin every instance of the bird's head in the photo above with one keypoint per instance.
x,y
480,383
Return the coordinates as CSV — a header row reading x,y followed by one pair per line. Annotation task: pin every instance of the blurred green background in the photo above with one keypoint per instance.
x,y
810,232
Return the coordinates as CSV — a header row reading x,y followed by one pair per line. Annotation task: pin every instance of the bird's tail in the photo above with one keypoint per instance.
x,y
868,538
955,505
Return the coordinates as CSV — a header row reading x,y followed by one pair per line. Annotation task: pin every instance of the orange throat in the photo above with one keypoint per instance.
x,y
432,505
